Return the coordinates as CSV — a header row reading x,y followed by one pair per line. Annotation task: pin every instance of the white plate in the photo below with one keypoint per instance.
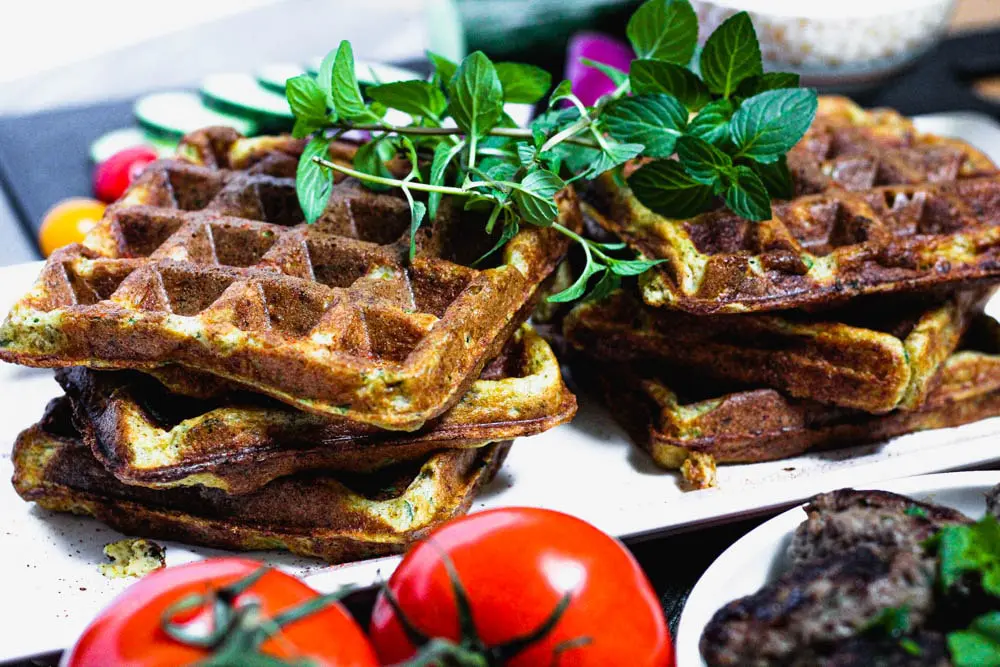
x,y
48,562
759,556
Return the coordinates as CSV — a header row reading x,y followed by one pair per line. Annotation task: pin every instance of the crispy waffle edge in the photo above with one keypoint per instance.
x,y
240,446
308,515
763,424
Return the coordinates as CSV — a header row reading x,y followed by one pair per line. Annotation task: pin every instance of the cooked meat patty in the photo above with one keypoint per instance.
x,y
993,501
923,649
884,521
818,603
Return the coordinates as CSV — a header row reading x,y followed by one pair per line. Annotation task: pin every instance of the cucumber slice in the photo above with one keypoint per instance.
x,y
241,95
273,77
117,140
370,73
172,115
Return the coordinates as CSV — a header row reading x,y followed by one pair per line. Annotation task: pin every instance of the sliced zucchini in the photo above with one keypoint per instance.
x,y
172,115
241,95
370,74
273,77
117,140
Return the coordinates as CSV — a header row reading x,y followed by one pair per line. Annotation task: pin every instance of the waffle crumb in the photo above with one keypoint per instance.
x,y
132,558
699,471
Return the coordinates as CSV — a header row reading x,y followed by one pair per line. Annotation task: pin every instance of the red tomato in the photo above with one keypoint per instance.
x,y
68,222
129,632
515,565
113,176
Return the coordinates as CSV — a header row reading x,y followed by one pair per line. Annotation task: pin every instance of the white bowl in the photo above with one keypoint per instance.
x,y
839,42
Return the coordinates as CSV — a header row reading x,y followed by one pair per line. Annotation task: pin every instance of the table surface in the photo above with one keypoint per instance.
x,y
673,563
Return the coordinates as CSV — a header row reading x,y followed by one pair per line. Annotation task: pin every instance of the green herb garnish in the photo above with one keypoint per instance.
x,y
915,510
979,645
973,548
727,123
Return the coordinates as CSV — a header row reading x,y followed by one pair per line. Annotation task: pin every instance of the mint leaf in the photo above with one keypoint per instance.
x,y
324,78
576,290
973,548
712,122
665,30
617,76
313,183
526,154
776,178
665,188
476,95
766,126
347,99
731,54
654,120
632,267
510,229
893,622
417,212
659,76
703,161
746,195
417,98
444,153
608,283
523,84
614,155
371,157
444,69
535,197
979,645
563,91
308,103
769,81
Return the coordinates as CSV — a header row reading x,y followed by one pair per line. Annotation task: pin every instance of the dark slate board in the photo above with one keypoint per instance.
x,y
45,157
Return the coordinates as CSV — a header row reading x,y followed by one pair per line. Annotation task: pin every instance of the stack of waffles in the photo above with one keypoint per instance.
x,y
853,315
237,378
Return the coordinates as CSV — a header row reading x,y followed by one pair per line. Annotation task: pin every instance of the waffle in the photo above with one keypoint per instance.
x,y
205,263
145,435
334,517
849,239
870,355
850,148
672,414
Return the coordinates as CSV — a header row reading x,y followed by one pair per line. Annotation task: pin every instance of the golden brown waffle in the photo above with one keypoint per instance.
x,y
817,250
856,149
933,221
673,413
145,435
207,267
335,517
871,355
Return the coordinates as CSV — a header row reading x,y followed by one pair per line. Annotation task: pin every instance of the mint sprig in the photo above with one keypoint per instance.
x,y
712,126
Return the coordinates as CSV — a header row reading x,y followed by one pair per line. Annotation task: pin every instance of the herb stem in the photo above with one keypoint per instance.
x,y
391,182
510,132
566,135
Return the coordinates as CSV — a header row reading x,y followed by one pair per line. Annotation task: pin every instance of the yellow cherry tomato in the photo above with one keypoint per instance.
x,y
68,222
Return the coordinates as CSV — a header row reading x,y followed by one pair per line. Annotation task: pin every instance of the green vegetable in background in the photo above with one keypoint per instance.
x,y
728,127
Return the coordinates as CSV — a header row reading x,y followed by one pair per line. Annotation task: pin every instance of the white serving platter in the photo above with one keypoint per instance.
x,y
48,562
759,556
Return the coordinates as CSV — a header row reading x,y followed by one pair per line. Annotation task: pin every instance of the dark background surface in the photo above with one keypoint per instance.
x,y
44,158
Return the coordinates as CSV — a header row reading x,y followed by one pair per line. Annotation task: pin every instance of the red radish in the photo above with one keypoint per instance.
x,y
113,176
588,83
